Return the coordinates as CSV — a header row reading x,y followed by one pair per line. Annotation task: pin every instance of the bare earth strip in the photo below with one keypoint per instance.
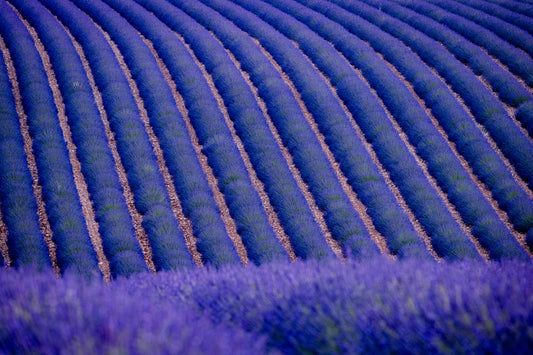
x,y
140,233
317,213
184,223
259,186
392,186
79,180
3,241
46,230
423,165
377,237
520,237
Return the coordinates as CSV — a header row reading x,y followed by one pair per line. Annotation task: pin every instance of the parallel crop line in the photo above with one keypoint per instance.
x,y
487,136
154,141
190,239
46,229
511,110
231,226
397,194
423,165
317,213
482,187
79,180
377,237
140,233
258,184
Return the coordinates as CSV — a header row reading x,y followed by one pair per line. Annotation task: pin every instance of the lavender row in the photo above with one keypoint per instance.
x,y
509,16
442,163
340,216
355,162
25,241
309,241
70,234
151,198
169,126
265,155
448,239
484,105
469,140
508,88
517,61
88,134
522,8
216,248
512,34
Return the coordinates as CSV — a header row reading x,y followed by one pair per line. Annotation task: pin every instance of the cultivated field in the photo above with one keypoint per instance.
x,y
160,135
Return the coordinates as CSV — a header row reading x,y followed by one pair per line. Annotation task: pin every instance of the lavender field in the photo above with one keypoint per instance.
x,y
294,176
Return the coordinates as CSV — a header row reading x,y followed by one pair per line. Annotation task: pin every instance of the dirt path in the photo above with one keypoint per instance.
x,y
183,221
272,215
128,194
317,213
377,237
231,227
46,230
190,239
520,237
79,180
3,241
423,165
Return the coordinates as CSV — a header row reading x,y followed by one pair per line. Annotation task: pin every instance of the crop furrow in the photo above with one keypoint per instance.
x,y
487,194
151,197
124,189
472,142
389,146
516,60
512,194
508,32
522,8
21,239
352,150
444,166
216,251
250,119
342,220
39,33
510,88
512,17
70,233
258,184
44,224
348,190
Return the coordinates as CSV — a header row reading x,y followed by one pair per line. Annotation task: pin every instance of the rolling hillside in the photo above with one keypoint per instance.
x,y
156,135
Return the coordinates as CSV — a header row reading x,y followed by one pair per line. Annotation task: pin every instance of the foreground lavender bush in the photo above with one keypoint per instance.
x,y
378,306
41,314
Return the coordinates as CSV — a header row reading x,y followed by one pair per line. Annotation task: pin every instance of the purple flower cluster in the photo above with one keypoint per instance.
x,y
377,306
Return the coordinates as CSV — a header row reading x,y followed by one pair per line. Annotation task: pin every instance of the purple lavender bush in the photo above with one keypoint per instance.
x,y
377,306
